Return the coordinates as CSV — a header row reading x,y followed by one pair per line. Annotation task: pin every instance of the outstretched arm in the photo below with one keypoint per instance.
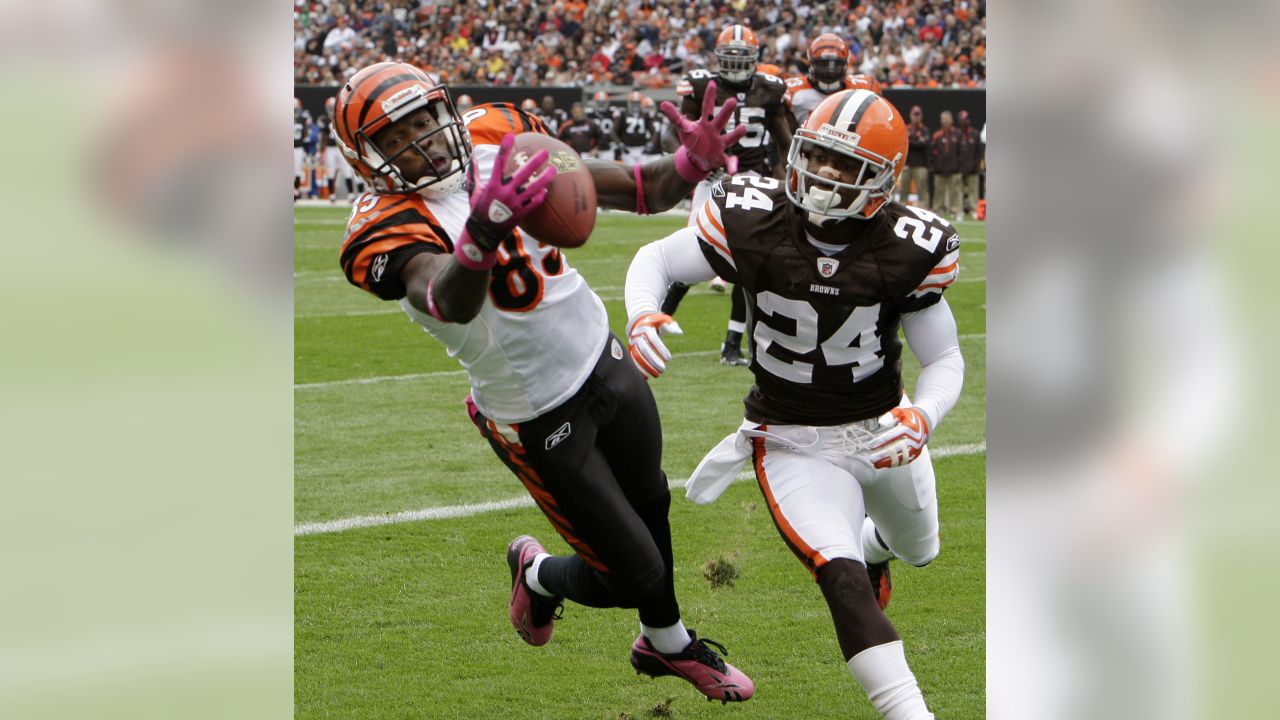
x,y
664,182
452,288
675,258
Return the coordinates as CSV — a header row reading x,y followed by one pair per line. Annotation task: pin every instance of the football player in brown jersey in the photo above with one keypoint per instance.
x,y
762,111
832,269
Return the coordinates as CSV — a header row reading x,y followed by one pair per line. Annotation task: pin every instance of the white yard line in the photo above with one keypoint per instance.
x,y
437,373
449,373
448,512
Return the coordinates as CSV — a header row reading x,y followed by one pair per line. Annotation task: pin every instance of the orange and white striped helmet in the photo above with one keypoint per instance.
x,y
634,101
646,102
737,51
387,93
828,62
846,159
464,103
529,105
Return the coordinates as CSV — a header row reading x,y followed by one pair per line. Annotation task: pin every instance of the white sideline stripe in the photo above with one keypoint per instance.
x,y
449,512
447,373
437,373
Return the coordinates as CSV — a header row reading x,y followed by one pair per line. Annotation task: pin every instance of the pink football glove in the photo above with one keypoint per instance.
x,y
498,205
902,436
645,340
702,145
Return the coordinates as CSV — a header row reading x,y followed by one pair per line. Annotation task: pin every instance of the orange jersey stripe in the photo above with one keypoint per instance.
x,y
711,239
360,269
499,120
944,270
714,222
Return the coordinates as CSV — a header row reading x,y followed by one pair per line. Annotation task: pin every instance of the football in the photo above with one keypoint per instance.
x,y
568,215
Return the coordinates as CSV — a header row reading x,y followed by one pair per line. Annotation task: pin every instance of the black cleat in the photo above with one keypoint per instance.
x,y
732,356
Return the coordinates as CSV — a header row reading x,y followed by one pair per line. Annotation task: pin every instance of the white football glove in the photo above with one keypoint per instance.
x,y
645,340
901,438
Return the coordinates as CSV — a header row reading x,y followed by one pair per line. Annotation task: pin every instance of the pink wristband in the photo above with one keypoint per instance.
x,y
471,256
642,208
686,168
431,301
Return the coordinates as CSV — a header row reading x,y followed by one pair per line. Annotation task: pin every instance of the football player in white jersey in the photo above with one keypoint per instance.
x,y
832,269
555,395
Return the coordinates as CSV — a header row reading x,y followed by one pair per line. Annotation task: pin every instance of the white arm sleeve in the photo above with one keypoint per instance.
x,y
931,334
675,258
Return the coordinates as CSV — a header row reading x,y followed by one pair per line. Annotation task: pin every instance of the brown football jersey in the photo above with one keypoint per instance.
x,y
757,106
824,328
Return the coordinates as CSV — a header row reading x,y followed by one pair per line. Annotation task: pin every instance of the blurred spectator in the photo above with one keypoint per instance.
x,y
971,155
917,169
944,156
630,42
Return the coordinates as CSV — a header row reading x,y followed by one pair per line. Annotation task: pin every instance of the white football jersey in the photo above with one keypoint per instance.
x,y
528,357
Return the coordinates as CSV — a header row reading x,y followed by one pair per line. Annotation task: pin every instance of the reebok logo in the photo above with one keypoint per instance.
x,y
499,213
379,267
558,436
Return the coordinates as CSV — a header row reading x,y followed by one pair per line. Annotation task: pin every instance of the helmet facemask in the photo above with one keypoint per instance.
x,y
817,190
827,73
736,62
439,179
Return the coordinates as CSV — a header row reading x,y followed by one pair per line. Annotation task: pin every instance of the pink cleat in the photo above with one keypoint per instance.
x,y
532,615
698,664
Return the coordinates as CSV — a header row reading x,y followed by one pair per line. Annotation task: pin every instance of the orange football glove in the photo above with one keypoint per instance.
x,y
645,340
901,438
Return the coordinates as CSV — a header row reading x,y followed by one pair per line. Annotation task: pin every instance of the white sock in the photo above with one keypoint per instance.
x,y
738,327
531,575
668,640
882,671
873,551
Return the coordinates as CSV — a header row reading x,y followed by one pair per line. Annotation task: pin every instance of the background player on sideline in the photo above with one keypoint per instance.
x,y
762,112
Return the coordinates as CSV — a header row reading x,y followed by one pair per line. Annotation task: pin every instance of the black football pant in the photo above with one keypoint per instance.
x,y
593,466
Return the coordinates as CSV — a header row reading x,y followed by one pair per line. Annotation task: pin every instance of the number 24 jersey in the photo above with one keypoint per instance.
x,y
824,327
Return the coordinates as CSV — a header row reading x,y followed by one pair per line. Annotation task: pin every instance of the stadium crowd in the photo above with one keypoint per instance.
x,y
642,43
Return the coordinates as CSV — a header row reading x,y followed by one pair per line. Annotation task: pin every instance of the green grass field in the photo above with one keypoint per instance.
x,y
408,620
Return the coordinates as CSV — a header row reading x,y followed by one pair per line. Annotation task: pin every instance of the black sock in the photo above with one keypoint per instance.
x,y
570,577
675,293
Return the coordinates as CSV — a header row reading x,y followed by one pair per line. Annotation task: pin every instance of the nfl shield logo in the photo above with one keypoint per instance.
x,y
827,266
